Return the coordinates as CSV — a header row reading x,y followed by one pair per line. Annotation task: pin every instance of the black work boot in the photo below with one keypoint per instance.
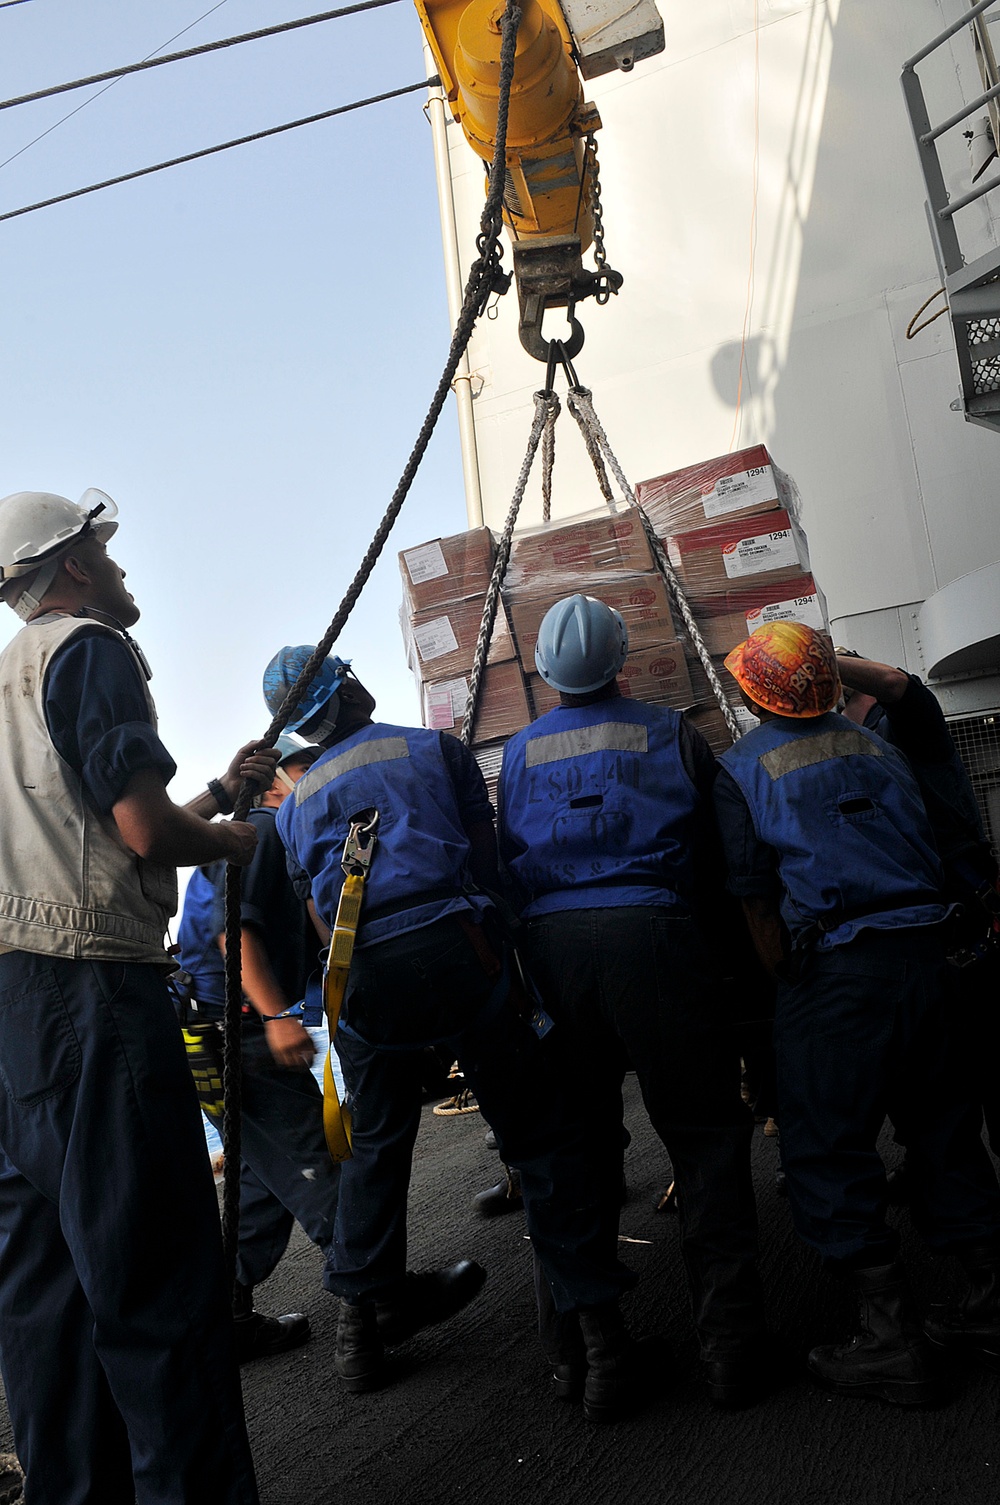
x,y
425,1300
567,1355
614,1363
504,1197
972,1324
737,1380
890,1359
360,1357
257,1336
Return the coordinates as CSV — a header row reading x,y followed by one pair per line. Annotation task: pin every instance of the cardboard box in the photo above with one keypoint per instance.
x,y
745,482
543,697
441,642
709,720
726,620
658,674
447,569
713,561
641,599
503,704
557,559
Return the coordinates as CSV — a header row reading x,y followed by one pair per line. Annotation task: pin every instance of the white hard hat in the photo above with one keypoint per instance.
x,y
37,528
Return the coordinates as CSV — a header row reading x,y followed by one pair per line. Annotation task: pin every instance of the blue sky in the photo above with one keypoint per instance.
x,y
241,350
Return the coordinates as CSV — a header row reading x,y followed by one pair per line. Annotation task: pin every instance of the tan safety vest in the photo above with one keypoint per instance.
x,y
69,886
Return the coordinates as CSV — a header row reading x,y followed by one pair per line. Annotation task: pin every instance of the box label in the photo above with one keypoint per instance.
x,y
766,551
425,563
434,639
800,609
748,488
444,704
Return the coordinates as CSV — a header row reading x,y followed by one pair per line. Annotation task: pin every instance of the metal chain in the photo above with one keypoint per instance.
x,y
546,411
549,457
485,277
606,287
580,405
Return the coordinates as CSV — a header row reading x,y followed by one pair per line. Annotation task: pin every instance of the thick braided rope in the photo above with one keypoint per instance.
x,y
549,458
582,409
546,405
480,284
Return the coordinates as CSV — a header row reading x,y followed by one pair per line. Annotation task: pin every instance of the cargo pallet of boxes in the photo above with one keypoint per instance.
x,y
731,531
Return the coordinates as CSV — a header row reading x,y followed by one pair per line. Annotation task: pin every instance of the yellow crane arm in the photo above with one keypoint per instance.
x,y
545,193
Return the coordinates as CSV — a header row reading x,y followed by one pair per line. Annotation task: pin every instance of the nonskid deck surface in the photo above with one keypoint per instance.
x,y
471,1417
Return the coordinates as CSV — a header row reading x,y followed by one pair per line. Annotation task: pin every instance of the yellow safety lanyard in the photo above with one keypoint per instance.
x,y
358,850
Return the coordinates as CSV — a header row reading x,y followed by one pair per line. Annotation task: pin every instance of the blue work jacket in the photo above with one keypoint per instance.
x,y
197,937
597,810
842,811
419,871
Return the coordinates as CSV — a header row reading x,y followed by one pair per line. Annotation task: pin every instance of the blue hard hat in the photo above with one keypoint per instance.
x,y
582,644
285,668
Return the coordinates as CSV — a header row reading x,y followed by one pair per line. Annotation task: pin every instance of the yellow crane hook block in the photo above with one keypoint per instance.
x,y
358,851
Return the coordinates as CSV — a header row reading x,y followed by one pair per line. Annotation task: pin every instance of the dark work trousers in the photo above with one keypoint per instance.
x,y
286,1174
116,1335
976,993
426,985
865,1032
633,986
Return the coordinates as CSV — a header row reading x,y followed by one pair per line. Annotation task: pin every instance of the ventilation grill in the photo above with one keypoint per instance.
x,y
978,741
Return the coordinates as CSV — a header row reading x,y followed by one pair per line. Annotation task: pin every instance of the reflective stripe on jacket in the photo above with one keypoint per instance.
x,y
419,870
843,812
597,809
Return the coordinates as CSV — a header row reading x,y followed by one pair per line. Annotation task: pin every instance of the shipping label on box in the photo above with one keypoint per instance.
x,y
425,563
447,569
441,644
740,492
747,481
502,709
434,638
712,560
760,553
445,704
806,609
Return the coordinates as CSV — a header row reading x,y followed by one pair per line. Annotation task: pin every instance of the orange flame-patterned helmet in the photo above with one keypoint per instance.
x,y
787,668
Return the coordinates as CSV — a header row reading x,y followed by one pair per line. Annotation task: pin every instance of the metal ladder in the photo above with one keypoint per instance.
x,y
972,289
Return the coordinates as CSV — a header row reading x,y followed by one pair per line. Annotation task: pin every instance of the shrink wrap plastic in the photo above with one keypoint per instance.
x,y
560,558
731,530
745,482
441,641
447,569
503,703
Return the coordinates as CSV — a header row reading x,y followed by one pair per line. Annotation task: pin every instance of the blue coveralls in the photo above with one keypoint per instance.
x,y
116,1337
604,815
286,1174
422,972
830,818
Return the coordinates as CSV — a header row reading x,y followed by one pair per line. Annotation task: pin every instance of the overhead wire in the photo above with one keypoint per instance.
x,y
223,146
70,113
175,57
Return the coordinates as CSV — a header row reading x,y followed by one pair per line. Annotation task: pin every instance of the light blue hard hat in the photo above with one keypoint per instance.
x,y
582,644
285,668
292,750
